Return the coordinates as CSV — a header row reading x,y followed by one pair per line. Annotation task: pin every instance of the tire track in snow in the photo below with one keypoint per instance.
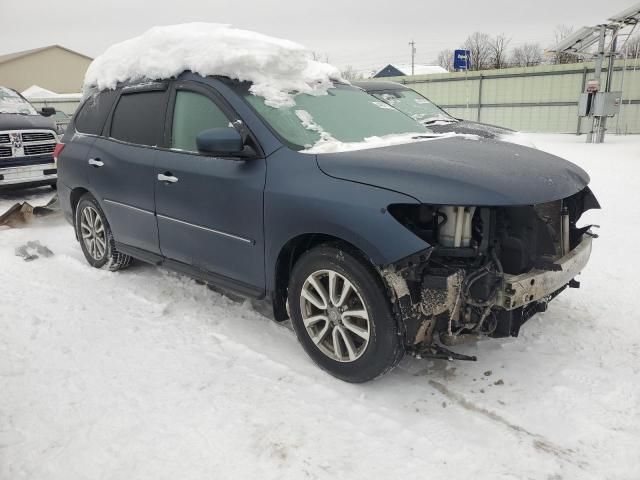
x,y
539,442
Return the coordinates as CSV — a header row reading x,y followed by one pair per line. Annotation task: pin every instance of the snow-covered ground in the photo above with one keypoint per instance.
x,y
145,374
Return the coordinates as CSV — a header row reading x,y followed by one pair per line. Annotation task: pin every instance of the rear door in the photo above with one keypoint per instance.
x,y
121,171
210,216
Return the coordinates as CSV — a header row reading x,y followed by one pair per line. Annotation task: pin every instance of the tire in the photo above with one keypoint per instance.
x,y
91,224
329,335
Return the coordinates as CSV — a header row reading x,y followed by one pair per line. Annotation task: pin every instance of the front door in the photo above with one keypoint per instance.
x,y
121,172
209,209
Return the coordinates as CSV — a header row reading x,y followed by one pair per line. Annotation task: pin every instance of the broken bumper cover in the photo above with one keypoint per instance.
x,y
520,290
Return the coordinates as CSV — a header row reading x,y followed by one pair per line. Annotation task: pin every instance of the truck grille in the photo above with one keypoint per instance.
x,y
36,136
19,144
39,149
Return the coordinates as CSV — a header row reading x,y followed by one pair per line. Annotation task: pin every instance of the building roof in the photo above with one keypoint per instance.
x,y
419,68
13,56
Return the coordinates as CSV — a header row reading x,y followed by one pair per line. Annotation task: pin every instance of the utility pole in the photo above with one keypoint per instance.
x,y
594,134
413,56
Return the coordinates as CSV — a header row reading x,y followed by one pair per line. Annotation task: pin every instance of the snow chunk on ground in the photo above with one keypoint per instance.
x,y
275,66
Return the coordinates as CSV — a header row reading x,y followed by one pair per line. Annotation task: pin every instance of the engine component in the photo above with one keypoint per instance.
x,y
455,230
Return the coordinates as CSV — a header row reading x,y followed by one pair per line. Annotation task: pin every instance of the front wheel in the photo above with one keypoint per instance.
x,y
96,239
341,315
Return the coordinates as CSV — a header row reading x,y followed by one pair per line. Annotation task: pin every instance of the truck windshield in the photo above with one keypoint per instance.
x,y
415,105
346,114
11,102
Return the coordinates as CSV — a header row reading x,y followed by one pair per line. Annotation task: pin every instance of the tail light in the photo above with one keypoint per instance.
x,y
57,151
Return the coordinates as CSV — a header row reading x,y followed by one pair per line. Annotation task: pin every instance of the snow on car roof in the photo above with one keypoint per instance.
x,y
275,66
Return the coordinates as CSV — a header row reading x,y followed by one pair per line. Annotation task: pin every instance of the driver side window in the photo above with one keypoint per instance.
x,y
193,113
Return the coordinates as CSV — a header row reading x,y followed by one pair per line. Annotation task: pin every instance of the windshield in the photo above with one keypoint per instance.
x,y
345,114
414,105
11,102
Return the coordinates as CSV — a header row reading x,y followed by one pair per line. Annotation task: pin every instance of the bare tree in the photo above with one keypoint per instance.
x,y
479,44
445,60
320,57
349,73
631,48
561,32
498,57
527,55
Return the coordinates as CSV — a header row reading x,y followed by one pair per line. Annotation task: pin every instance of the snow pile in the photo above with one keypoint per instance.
x,y
276,67
144,374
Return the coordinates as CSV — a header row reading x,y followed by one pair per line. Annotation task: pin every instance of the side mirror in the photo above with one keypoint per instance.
x,y
47,111
220,141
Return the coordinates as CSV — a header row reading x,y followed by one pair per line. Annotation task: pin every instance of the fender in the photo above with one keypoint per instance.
x,y
300,199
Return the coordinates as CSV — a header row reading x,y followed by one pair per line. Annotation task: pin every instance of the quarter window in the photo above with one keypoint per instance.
x,y
139,118
194,113
94,112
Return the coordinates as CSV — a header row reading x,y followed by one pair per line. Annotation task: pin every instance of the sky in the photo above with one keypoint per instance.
x,y
365,35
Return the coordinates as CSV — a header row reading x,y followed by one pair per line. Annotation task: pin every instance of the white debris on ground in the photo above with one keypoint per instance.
x,y
275,66
145,374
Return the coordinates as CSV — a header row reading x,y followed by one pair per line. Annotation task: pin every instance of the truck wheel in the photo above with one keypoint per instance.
x,y
341,315
96,239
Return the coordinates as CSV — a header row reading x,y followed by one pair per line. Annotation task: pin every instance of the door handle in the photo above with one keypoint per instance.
x,y
95,162
167,177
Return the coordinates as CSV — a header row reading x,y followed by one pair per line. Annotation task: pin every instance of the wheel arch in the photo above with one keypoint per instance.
x,y
289,255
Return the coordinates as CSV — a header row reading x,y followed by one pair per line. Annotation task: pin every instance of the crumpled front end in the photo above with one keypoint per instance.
x,y
489,269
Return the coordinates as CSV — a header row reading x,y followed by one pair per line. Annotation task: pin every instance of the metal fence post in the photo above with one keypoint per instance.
x,y
479,97
584,84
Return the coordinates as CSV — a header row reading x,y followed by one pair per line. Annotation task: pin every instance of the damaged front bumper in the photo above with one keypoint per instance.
x,y
523,289
432,304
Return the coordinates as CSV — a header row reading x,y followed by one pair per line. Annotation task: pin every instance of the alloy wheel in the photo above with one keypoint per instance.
x,y
334,315
93,233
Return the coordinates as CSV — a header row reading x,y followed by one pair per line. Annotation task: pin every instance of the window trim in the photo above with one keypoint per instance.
x,y
216,97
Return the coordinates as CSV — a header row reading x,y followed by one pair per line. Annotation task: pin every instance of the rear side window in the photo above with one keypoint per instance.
x,y
194,113
139,118
94,112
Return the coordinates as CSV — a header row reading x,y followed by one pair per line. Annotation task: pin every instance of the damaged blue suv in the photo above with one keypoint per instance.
x,y
414,246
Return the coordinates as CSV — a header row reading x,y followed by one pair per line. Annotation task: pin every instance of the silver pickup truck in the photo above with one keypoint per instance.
x,y
27,142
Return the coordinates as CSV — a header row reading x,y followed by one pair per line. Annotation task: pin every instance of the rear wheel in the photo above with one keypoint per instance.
x,y
341,315
96,239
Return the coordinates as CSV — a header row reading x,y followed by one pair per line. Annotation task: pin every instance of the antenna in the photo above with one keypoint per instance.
x,y
413,56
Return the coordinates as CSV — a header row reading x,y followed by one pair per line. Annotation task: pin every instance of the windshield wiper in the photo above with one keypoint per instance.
x,y
432,120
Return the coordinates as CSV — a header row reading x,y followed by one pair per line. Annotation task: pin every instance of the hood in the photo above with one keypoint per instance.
x,y
473,128
12,121
460,171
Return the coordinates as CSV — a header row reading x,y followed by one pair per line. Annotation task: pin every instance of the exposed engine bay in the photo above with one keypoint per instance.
x,y
489,269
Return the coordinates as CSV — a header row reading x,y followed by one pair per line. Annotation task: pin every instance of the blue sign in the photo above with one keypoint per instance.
x,y
462,60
